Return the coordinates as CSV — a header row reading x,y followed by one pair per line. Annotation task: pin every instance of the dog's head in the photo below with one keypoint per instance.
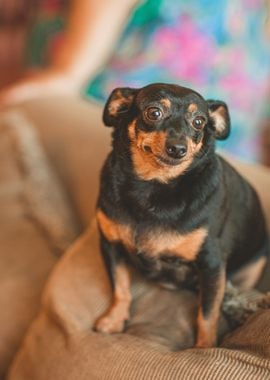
x,y
167,127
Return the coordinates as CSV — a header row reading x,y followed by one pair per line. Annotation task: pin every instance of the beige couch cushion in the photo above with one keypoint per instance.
x,y
76,143
36,226
61,344
45,200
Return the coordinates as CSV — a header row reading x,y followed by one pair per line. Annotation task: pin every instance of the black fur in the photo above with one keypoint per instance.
x,y
209,193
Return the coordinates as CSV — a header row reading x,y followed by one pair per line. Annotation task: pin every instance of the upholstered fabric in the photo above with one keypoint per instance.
x,y
60,343
76,143
37,225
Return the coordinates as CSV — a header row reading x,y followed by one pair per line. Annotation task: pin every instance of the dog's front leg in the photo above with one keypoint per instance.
x,y
212,286
117,315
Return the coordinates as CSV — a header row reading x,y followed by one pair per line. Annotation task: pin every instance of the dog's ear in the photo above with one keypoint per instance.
x,y
220,119
118,105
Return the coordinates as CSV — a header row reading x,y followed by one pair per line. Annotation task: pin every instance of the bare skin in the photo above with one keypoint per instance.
x,y
90,38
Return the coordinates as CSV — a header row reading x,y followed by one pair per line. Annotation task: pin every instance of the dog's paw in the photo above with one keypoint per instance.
x,y
110,324
203,345
205,342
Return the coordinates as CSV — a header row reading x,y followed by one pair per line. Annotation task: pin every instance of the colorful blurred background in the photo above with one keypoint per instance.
x,y
29,31
221,49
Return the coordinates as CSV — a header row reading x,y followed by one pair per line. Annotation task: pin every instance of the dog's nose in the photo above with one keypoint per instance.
x,y
176,150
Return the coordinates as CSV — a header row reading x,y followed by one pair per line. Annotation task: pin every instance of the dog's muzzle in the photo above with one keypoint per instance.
x,y
176,149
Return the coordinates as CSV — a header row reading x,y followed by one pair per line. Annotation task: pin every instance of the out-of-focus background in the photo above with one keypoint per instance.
x,y
30,31
16,17
221,50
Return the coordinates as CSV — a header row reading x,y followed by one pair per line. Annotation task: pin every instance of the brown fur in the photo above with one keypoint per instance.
x,y
116,104
207,327
114,319
155,243
186,247
218,116
192,107
166,102
114,231
147,165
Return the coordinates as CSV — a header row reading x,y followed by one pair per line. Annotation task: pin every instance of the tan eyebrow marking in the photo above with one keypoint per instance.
x,y
192,107
166,102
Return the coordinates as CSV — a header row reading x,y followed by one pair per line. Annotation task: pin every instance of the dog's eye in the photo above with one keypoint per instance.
x,y
198,122
153,113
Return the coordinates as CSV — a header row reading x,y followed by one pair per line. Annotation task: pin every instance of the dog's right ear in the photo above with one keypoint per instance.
x,y
117,106
220,117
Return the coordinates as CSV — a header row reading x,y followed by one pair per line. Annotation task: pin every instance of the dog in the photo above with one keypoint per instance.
x,y
172,208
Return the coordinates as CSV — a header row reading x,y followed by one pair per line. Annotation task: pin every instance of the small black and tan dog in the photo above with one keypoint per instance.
x,y
171,207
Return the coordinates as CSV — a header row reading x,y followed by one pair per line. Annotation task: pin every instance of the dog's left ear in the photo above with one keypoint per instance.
x,y
118,105
220,118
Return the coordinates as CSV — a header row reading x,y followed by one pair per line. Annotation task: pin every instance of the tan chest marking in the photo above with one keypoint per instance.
x,y
163,243
154,243
115,232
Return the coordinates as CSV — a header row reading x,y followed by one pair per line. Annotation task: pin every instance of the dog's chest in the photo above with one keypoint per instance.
x,y
155,243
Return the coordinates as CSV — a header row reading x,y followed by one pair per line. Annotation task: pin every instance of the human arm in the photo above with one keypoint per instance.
x,y
92,31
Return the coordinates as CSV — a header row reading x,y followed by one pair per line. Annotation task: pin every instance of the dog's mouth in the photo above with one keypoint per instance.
x,y
163,159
